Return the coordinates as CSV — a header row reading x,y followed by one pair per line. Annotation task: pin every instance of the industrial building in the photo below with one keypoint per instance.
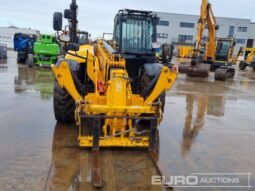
x,y
182,29
7,34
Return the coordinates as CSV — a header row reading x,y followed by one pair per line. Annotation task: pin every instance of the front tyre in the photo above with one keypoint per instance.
x,y
149,79
30,60
64,105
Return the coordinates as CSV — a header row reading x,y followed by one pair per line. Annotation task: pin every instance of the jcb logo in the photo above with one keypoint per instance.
x,y
118,86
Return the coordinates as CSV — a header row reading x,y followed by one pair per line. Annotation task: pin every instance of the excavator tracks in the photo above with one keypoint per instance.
x,y
224,73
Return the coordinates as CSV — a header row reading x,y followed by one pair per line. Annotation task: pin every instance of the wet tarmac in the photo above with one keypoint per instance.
x,y
208,127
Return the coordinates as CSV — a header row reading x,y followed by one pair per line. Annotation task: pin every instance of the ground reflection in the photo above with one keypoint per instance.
x,y
65,159
197,107
39,79
3,65
122,169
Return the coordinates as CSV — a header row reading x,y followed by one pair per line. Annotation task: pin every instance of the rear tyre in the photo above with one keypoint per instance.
x,y
30,60
64,105
18,60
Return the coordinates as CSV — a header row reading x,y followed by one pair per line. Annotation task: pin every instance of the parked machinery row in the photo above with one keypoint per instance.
x,y
36,50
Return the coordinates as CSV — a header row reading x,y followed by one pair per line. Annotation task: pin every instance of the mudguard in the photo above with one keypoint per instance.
x,y
152,69
73,65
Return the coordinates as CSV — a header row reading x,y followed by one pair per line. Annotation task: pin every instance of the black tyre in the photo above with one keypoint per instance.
x,y
21,58
30,60
220,74
18,60
162,98
148,83
64,105
242,65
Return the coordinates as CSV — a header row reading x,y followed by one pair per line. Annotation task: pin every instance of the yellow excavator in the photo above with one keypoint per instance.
x,y
249,58
216,54
114,92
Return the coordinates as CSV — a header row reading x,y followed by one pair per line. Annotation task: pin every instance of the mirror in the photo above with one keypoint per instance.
x,y
57,21
68,14
73,47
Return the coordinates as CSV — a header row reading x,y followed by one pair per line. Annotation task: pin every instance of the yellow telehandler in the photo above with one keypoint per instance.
x,y
115,92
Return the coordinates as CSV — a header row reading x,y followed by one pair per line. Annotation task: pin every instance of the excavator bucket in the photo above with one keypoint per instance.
x,y
197,70
183,67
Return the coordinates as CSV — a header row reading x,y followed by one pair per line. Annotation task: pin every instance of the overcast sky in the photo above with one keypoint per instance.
x,y
97,16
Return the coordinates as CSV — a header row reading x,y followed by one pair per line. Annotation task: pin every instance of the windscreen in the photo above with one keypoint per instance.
x,y
222,50
137,36
83,38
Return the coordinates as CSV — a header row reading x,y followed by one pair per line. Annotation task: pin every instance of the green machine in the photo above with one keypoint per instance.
x,y
46,51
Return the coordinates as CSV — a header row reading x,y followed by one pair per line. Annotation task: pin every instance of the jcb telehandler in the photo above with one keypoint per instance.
x,y
215,55
109,88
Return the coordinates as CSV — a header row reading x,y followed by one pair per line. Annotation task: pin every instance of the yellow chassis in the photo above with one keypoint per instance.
x,y
117,105
114,142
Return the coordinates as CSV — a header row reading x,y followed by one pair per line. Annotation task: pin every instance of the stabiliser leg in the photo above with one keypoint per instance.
x,y
96,170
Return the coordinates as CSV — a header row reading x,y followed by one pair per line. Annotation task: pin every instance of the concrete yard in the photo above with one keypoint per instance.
x,y
208,127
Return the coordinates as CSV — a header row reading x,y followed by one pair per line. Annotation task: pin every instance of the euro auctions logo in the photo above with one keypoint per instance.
x,y
175,180
217,180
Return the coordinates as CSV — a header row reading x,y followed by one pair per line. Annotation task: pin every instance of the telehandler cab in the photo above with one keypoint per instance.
x,y
109,88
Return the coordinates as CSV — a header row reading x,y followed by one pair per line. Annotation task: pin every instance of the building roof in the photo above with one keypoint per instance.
x,y
198,16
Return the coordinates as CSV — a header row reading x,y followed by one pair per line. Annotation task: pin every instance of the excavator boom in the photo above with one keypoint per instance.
x,y
206,19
